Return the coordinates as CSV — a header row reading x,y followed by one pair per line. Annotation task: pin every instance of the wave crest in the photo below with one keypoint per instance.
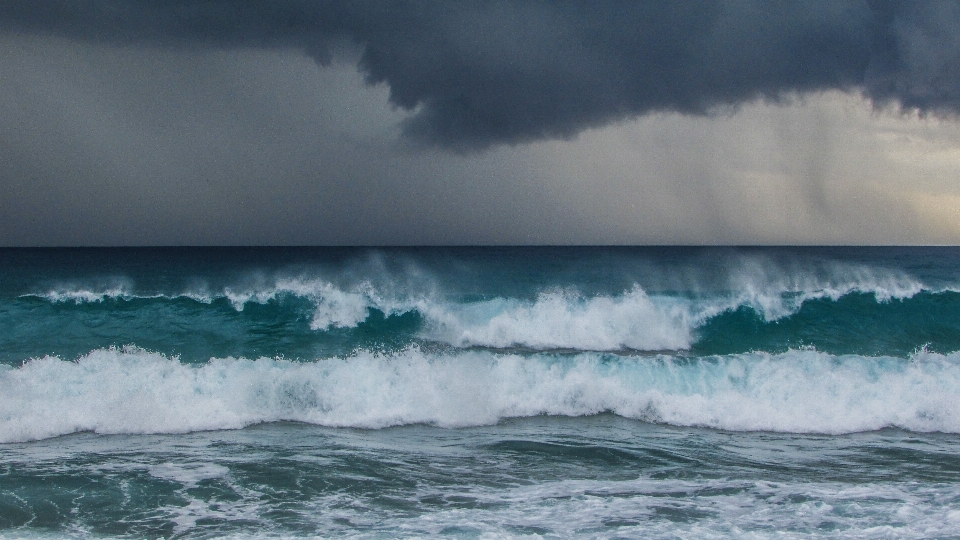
x,y
565,320
135,391
634,319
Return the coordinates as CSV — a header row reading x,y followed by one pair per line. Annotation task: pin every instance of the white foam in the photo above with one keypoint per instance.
x,y
557,319
80,295
189,475
334,307
637,320
645,507
713,508
122,291
134,391
562,319
775,292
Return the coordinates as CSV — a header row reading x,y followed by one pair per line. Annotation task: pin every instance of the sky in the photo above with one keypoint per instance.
x,y
304,122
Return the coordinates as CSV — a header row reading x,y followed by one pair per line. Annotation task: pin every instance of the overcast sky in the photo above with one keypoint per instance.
x,y
298,122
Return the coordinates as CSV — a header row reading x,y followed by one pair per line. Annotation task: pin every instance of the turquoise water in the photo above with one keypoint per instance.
x,y
480,392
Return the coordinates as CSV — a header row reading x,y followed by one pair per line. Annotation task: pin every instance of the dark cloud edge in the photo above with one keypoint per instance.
x,y
478,74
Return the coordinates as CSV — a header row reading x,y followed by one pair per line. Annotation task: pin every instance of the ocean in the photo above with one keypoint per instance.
x,y
555,392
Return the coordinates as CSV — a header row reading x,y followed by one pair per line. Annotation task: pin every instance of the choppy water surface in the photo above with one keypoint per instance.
x,y
600,476
479,392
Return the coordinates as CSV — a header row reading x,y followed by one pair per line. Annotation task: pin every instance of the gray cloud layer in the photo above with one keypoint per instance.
x,y
483,73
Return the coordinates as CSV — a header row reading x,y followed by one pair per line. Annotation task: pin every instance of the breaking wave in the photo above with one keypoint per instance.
x,y
634,319
135,391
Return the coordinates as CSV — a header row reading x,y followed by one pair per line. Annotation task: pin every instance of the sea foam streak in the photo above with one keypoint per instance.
x,y
134,391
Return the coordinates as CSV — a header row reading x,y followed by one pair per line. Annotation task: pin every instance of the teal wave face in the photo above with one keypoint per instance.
x,y
191,330
285,326
305,305
854,324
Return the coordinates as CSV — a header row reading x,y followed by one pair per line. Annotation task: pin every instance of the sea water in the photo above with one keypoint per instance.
x,y
480,392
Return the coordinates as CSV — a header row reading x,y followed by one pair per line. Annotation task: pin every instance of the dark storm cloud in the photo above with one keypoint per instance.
x,y
482,73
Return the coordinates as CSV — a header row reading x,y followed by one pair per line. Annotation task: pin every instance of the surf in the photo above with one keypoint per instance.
x,y
305,319
801,391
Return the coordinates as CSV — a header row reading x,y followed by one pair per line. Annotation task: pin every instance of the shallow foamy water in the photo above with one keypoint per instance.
x,y
599,476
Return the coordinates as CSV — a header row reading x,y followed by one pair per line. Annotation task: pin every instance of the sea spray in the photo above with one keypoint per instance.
x,y
480,392
310,320
135,391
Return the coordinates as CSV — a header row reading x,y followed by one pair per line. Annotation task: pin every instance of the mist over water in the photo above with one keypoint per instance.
x,y
481,346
